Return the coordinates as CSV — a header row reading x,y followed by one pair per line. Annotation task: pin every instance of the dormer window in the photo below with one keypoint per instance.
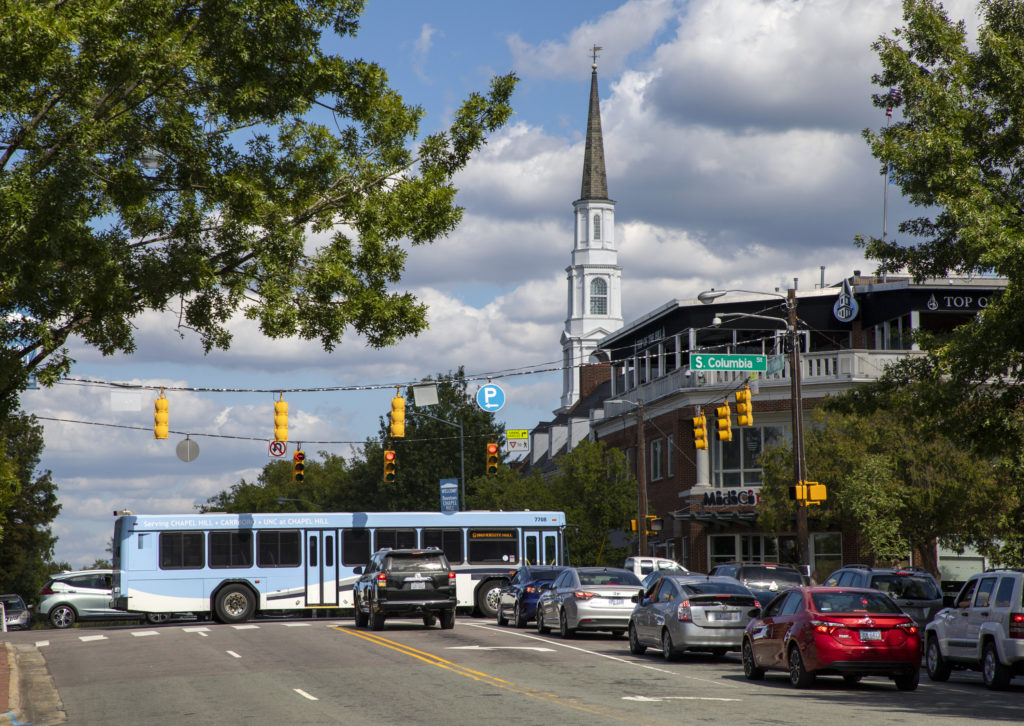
x,y
597,227
598,296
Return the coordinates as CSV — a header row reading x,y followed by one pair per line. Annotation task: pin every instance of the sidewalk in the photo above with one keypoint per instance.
x,y
8,685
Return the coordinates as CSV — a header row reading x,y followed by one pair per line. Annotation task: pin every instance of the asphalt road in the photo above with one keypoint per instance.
x,y
328,672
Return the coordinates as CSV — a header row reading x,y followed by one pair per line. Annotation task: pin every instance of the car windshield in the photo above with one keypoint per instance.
x,y
853,602
758,574
609,577
12,601
909,587
414,563
716,588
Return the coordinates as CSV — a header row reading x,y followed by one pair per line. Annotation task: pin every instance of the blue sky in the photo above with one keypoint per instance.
x,y
734,154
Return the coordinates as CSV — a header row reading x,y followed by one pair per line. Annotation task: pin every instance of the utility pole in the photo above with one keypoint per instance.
x,y
641,520
802,534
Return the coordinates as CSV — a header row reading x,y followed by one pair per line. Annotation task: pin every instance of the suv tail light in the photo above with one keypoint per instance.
x,y
382,579
683,613
451,577
1017,625
47,590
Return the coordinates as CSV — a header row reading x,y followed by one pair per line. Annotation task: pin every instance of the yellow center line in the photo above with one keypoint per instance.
x,y
440,662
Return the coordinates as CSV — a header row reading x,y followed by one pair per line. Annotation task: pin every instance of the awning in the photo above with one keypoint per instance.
x,y
747,519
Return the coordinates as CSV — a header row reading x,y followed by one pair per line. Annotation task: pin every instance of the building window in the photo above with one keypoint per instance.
x,y
597,227
734,463
828,554
598,296
725,548
657,459
670,459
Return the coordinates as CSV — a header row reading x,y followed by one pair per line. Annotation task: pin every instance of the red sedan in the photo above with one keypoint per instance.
x,y
848,631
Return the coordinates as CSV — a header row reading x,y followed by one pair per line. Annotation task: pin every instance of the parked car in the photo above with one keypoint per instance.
x,y
79,595
691,612
518,599
642,566
405,582
16,613
847,631
588,598
913,589
764,579
984,630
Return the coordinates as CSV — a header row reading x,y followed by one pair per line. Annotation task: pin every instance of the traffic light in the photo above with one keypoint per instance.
x,y
816,492
744,408
281,420
798,492
397,417
161,417
654,524
389,466
299,466
492,458
700,432
724,422
632,525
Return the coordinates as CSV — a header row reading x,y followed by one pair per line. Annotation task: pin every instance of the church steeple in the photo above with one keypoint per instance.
x,y
595,183
594,277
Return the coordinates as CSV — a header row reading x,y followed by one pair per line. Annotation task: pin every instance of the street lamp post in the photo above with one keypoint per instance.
x,y
462,451
796,403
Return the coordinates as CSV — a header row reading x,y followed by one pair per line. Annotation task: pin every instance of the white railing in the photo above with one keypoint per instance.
x,y
833,366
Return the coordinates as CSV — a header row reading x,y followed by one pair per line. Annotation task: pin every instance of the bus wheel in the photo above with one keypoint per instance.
x,y
235,604
487,598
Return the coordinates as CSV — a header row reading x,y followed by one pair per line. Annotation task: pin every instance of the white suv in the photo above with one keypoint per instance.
x,y
983,630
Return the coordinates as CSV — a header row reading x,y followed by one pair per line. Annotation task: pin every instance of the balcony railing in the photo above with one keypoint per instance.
x,y
825,367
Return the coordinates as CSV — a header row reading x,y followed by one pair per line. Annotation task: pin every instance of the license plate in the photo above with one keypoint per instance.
x,y
723,617
871,635
418,586
616,600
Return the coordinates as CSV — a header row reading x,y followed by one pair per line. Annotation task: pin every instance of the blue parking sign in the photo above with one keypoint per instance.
x,y
490,397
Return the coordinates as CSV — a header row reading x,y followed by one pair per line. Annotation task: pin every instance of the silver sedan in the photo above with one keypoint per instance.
x,y
690,612
588,598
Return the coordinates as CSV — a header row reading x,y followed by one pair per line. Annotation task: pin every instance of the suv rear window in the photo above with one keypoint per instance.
x,y
910,587
760,573
415,563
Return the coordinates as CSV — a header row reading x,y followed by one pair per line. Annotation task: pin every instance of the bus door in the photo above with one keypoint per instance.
x,y
321,567
540,547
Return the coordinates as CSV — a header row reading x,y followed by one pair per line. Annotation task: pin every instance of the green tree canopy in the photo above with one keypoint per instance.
x,y
209,157
29,506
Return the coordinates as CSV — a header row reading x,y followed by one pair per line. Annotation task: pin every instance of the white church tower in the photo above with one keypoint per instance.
x,y
595,278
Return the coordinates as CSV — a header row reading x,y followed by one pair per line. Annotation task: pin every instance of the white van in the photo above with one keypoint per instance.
x,y
643,566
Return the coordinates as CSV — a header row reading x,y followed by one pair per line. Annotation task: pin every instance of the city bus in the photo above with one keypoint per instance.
x,y
231,566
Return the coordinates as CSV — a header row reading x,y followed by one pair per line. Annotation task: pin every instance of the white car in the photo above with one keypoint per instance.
x,y
642,566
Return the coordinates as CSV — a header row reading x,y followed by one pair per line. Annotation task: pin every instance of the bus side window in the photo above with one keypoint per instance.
x,y
355,546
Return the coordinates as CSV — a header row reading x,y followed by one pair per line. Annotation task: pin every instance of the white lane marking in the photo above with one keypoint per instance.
x,y
654,699
305,695
42,643
246,627
196,629
87,638
143,633
232,653
296,625
717,684
500,647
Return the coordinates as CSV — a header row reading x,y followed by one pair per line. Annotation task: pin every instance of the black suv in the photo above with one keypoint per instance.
x,y
764,579
405,583
913,589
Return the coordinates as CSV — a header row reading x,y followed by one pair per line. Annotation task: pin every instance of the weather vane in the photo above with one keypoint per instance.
x,y
593,52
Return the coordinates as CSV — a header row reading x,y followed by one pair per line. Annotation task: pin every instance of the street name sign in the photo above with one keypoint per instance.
x,y
722,362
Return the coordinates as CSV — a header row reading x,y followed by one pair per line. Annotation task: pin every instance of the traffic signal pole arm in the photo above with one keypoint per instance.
x,y
462,450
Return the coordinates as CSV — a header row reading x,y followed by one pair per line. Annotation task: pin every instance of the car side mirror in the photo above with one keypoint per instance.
x,y
357,570
754,613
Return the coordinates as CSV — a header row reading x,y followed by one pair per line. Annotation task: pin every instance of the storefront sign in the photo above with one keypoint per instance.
x,y
732,498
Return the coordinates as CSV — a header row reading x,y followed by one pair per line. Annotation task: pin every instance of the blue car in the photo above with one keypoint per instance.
x,y
517,601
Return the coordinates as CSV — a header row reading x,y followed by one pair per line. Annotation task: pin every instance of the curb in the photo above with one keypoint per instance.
x,y
33,699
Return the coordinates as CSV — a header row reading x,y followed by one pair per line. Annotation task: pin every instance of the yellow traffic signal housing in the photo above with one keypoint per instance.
x,y
299,466
798,492
700,432
397,417
724,422
281,419
632,525
654,524
744,408
161,417
389,466
492,458
816,493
